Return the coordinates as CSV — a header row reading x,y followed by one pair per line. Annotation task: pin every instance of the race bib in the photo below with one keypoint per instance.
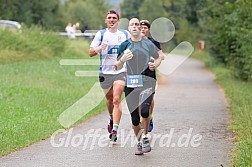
x,y
113,49
134,81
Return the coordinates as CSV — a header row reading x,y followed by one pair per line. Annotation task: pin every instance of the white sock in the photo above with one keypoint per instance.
x,y
144,135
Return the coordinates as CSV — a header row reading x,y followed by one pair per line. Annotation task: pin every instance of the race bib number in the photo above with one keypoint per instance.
x,y
134,81
113,49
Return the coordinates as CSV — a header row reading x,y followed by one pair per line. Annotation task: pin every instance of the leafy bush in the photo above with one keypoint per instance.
x,y
229,30
241,20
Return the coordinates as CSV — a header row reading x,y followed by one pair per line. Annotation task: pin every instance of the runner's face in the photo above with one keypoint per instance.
x,y
111,21
134,27
144,30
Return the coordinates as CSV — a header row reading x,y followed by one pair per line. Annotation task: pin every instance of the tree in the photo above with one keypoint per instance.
x,y
226,25
87,12
130,8
156,7
241,31
30,12
53,14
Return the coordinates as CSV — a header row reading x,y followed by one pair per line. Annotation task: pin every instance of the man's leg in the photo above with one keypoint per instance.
x,y
132,99
106,82
117,112
109,102
107,86
109,99
117,93
145,124
137,130
146,97
150,127
145,113
152,106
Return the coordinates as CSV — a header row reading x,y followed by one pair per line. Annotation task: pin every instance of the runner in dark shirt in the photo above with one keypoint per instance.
x,y
137,53
145,29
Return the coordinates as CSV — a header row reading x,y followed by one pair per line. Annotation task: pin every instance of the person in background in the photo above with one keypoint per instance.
x,y
70,31
145,29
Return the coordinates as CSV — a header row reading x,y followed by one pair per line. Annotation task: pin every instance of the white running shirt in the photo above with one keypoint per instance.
x,y
108,56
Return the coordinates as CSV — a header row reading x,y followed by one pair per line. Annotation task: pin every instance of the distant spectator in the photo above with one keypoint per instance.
x,y
70,31
84,28
76,26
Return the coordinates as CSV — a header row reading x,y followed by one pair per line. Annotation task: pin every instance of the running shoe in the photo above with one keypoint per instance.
x,y
146,145
110,126
113,136
139,150
150,127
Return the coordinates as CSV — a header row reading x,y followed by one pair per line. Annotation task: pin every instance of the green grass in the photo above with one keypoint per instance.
x,y
239,94
34,92
30,44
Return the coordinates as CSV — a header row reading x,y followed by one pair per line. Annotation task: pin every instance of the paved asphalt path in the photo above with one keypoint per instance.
x,y
190,122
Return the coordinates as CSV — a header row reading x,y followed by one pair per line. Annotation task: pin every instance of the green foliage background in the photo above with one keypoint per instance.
x,y
51,14
225,25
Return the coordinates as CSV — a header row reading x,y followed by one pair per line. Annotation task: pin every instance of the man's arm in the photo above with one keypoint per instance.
x,y
92,52
161,55
119,64
95,51
157,54
157,62
96,45
160,52
153,65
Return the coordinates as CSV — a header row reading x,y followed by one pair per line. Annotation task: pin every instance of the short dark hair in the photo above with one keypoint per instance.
x,y
145,23
113,12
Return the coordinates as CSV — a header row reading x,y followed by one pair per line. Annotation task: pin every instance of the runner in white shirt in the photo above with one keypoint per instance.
x,y
106,43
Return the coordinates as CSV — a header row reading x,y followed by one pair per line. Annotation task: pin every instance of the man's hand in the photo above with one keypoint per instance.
x,y
95,51
126,56
152,66
104,45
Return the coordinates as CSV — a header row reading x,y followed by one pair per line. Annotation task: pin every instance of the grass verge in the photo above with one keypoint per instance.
x,y
34,92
